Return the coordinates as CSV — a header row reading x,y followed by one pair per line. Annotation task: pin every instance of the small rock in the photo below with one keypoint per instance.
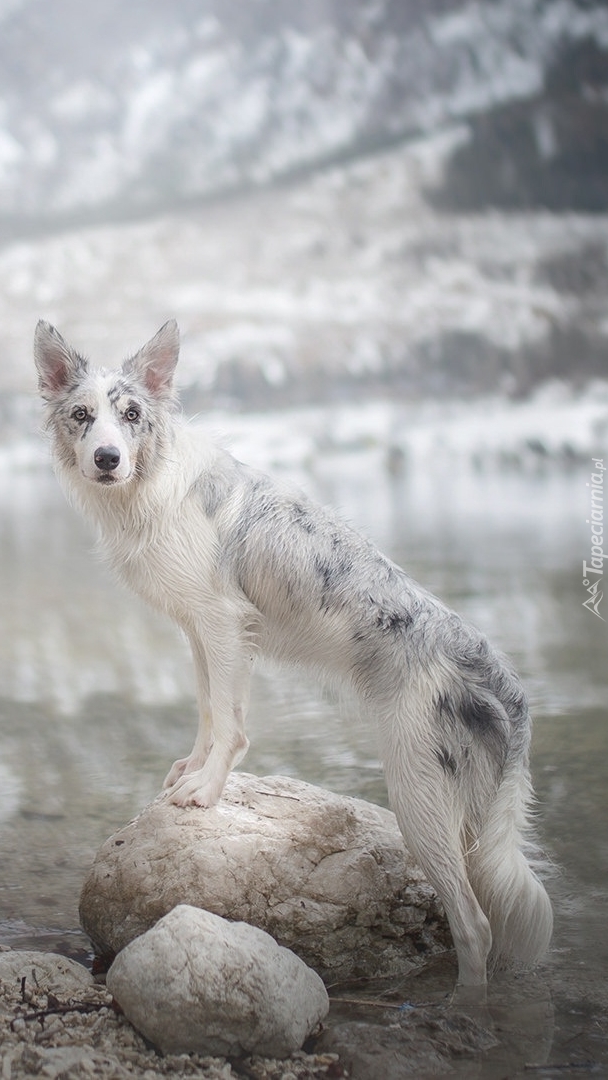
x,y
197,983
55,974
326,875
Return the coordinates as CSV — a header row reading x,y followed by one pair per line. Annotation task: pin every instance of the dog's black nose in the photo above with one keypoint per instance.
x,y
107,458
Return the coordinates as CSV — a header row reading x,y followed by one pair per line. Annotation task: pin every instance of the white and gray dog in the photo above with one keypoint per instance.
x,y
247,567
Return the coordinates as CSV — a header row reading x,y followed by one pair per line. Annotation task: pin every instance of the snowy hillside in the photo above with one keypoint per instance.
x,y
336,286
105,108
454,242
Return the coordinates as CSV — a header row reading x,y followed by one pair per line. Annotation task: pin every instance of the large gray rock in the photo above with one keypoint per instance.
x,y
327,876
197,983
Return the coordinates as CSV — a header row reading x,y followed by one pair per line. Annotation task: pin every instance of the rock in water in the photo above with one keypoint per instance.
x,y
327,876
197,983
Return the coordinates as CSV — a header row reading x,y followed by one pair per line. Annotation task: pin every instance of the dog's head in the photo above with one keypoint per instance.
x,y
105,424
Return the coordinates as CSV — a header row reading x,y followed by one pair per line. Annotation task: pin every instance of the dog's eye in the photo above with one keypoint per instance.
x,y
132,414
79,414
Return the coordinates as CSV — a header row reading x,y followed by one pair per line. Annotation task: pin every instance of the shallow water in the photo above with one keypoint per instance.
x,y
96,700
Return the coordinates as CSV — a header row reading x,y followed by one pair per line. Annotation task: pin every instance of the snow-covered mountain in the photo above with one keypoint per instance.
x,y
339,285
133,104
409,198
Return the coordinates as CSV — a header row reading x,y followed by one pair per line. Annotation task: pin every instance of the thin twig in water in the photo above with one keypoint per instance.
x,y
405,1005
587,1065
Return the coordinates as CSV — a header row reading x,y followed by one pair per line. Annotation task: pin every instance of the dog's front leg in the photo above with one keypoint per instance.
x,y
204,736
221,741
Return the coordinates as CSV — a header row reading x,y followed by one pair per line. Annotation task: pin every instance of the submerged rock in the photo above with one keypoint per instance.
x,y
327,876
198,983
422,1042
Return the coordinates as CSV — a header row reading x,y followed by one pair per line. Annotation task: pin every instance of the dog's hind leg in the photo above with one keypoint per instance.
x,y
425,809
221,741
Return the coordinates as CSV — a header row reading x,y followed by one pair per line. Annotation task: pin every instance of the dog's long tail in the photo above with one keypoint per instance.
x,y
502,867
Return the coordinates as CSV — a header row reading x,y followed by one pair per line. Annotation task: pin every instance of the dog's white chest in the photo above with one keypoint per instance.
x,y
174,567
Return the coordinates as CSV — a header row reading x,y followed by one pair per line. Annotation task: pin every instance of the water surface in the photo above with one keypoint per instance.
x,y
96,693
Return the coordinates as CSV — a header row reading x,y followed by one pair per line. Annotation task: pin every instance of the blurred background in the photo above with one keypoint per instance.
x,y
383,228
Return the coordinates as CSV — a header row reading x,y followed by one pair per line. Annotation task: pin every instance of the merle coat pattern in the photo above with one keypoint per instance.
x,y
248,567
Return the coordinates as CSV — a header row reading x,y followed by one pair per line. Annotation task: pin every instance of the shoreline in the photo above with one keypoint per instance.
x,y
554,1018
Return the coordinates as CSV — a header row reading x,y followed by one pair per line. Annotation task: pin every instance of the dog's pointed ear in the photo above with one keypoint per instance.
x,y
56,362
155,362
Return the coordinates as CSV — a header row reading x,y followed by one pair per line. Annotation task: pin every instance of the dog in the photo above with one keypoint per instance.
x,y
247,567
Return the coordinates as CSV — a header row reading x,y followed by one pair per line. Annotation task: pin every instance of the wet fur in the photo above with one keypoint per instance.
x,y
248,567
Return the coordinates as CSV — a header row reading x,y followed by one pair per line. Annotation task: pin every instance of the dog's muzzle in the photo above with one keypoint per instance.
x,y
107,458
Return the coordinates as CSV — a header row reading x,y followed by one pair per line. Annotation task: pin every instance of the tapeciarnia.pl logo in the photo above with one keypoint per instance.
x,y
593,571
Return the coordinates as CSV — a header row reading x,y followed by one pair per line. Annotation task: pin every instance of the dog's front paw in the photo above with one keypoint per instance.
x,y
193,790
